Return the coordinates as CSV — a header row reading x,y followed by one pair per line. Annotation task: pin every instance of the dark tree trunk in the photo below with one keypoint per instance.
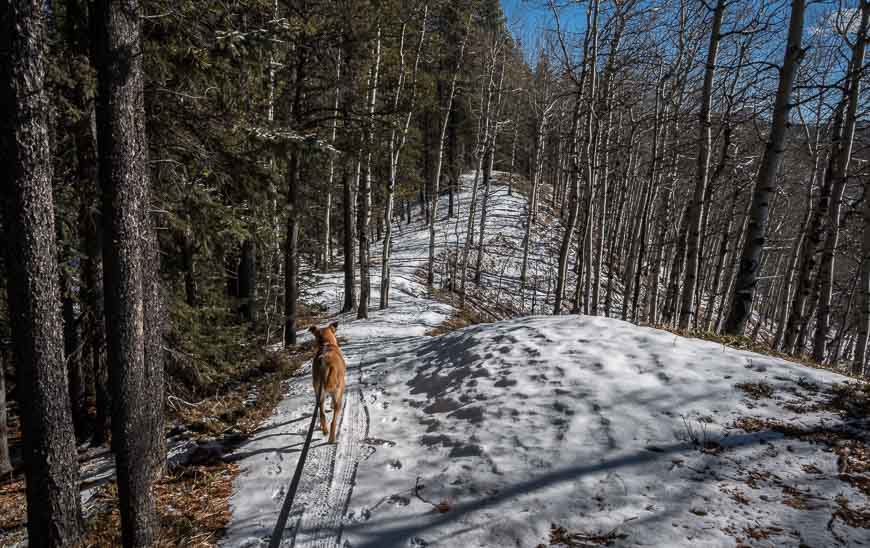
x,y
248,280
90,230
188,252
487,178
72,355
155,328
92,298
294,170
5,463
291,259
50,464
347,210
130,269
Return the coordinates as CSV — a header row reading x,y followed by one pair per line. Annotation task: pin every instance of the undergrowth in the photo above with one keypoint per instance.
x,y
461,317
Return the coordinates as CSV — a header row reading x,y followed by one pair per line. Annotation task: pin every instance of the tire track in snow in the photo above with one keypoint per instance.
x,y
330,481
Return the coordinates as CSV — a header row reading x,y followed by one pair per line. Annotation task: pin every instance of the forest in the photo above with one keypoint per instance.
x,y
177,177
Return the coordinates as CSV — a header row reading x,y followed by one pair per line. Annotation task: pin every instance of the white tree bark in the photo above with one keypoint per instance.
x,y
398,137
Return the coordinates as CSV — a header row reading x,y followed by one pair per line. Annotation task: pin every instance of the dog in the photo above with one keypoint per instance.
x,y
328,374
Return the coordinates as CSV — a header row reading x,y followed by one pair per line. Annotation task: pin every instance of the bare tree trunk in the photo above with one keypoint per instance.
x,y
590,69
633,261
759,212
347,205
839,164
693,250
364,196
732,268
72,354
326,258
248,280
430,273
679,258
479,147
291,249
488,160
785,293
539,148
131,267
573,183
291,245
188,246
5,463
397,143
859,365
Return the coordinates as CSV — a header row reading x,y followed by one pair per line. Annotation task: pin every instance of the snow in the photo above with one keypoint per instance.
x,y
488,435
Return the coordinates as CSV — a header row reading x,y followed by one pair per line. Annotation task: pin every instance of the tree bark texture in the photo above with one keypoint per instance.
x,y
50,464
130,269
750,262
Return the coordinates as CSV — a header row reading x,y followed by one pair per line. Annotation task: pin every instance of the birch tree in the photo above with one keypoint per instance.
x,y
705,138
747,276
397,140
433,216
839,167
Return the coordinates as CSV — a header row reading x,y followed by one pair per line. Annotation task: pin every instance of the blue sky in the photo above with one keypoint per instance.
x,y
527,19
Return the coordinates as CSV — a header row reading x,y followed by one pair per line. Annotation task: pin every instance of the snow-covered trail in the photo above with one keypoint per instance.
x,y
269,459
487,435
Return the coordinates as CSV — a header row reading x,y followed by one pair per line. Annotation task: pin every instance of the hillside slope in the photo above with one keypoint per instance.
x,y
617,433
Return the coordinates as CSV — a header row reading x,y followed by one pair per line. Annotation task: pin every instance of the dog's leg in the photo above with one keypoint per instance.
x,y
323,412
336,411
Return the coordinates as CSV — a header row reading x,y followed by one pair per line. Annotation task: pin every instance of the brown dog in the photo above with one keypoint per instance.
x,y
328,371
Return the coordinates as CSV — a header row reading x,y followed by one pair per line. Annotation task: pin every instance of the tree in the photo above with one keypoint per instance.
x,y
364,196
695,213
5,463
750,259
859,364
398,138
839,167
50,464
131,265
433,216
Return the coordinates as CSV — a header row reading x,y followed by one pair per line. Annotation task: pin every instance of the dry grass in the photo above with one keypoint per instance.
x,y
193,500
217,415
192,503
462,316
755,390
13,510
559,536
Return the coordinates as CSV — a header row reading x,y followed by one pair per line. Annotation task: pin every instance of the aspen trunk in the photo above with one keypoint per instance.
x,y
397,142
326,252
695,213
859,365
839,164
759,213
489,160
573,183
364,196
430,273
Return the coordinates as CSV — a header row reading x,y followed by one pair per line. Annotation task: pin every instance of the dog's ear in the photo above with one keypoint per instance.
x,y
334,326
313,330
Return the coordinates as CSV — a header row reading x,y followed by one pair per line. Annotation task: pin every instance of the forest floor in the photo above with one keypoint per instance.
x,y
553,431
